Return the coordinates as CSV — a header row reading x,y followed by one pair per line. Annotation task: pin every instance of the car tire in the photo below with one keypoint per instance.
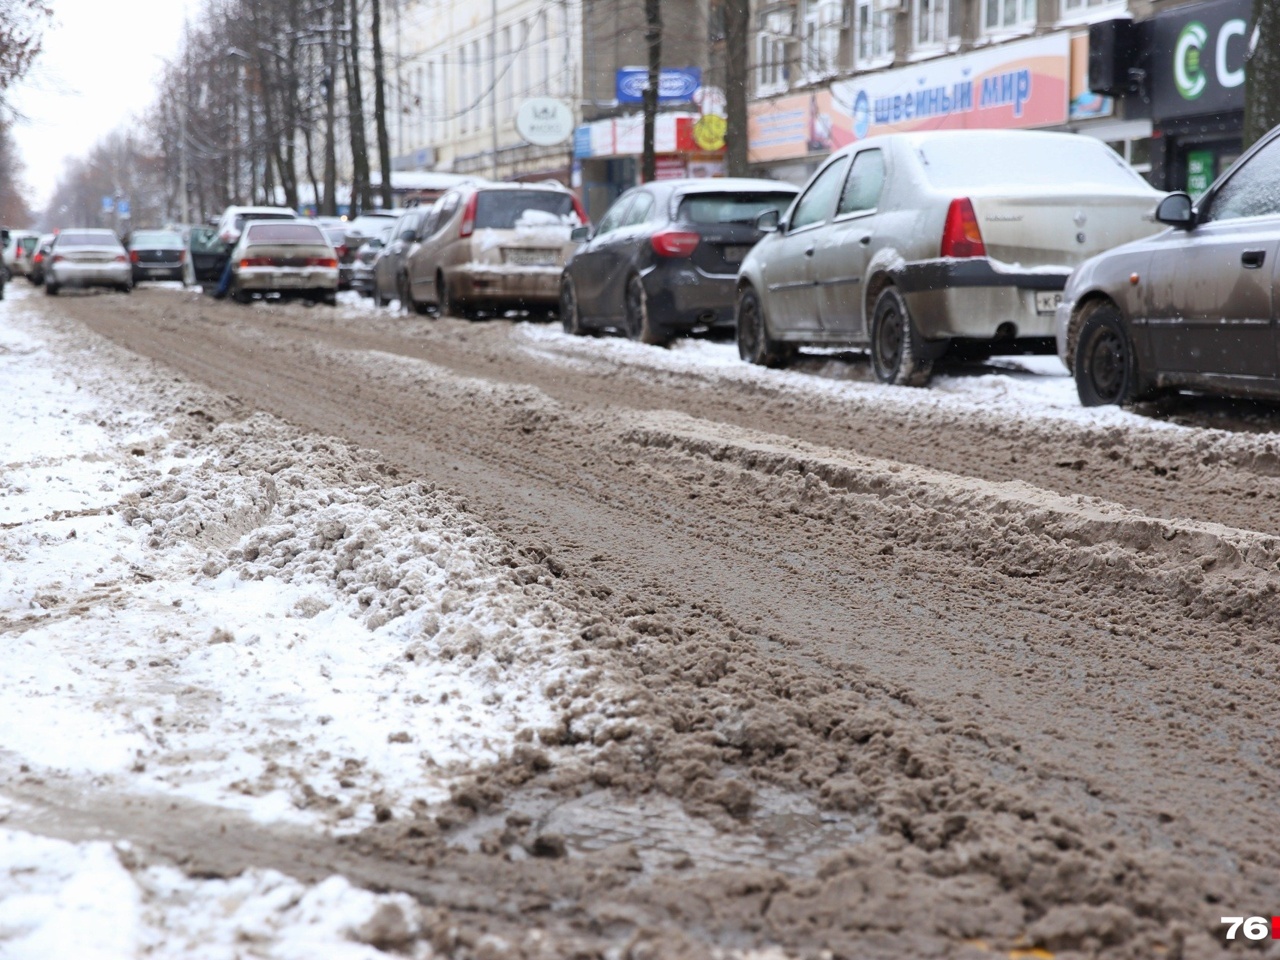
x,y
240,296
754,343
330,299
449,304
642,326
570,316
1104,367
126,288
896,347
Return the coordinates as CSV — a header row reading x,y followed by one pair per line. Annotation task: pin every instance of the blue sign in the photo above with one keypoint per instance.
x,y
675,85
122,207
108,204
582,141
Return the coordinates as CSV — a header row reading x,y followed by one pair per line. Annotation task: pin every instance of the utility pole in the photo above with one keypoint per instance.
x,y
380,107
737,20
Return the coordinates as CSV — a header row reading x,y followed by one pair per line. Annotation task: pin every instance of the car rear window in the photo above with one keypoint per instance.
x,y
731,207
156,239
285,233
503,209
75,239
1023,161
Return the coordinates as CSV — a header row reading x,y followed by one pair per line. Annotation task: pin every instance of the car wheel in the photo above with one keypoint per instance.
x,y
240,296
1105,369
449,305
51,289
641,324
570,317
330,299
126,288
754,343
895,344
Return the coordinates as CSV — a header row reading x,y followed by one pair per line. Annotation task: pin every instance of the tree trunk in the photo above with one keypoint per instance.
x,y
380,107
355,121
1262,72
737,22
330,204
653,40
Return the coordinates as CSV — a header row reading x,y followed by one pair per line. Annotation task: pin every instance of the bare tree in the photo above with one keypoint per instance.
x,y
1262,72
653,41
21,26
737,22
361,194
380,105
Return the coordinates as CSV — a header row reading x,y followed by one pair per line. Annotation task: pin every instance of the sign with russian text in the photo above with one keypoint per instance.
x,y
675,85
1007,86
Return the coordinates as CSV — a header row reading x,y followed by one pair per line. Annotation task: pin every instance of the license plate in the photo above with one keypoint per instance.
x,y
290,280
530,258
154,271
1047,300
736,254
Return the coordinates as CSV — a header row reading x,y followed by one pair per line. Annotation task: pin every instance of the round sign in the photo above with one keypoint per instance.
x,y
544,121
709,131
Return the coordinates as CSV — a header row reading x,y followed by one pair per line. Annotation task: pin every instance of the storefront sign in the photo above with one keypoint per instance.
x,y
789,127
1199,172
544,121
1010,85
1197,59
674,85
709,131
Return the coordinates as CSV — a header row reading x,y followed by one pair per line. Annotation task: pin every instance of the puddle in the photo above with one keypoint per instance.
x,y
788,833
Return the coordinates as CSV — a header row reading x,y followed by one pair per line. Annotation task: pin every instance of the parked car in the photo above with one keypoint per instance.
x,y
337,237
233,219
4,270
362,265
157,255
1193,307
665,257
87,258
39,257
17,252
912,244
206,256
494,247
290,259
389,278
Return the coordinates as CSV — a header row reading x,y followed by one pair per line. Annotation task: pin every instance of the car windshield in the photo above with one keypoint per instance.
x,y
243,218
285,233
156,239
731,207
87,239
1023,161
504,209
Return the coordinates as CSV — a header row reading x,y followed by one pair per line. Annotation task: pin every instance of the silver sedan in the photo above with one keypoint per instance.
x,y
912,244
87,258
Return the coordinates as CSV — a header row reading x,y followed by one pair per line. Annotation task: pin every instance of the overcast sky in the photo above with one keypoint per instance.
x,y
100,63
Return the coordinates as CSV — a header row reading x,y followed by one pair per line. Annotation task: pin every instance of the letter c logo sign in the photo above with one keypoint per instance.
x,y
1188,76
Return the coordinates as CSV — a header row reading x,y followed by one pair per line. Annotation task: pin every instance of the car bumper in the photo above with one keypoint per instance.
x,y
156,271
974,299
285,280
509,285
688,297
89,274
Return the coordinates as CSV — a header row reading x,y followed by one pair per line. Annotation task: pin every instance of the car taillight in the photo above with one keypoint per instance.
x,y
59,258
120,258
675,243
342,251
133,256
322,262
961,236
38,258
255,262
583,219
469,217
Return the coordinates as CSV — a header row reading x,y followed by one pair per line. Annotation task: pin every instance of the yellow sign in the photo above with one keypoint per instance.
x,y
708,132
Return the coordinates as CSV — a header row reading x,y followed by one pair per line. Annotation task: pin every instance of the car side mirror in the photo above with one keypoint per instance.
x,y
4,238
408,236
769,221
580,234
1176,211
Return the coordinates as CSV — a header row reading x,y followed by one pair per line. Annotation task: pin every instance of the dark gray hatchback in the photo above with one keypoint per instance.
x,y
664,259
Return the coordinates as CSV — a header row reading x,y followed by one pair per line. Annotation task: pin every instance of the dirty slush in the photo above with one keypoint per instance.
x,y
825,673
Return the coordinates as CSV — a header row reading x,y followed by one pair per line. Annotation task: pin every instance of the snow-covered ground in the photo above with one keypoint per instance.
x,y
240,616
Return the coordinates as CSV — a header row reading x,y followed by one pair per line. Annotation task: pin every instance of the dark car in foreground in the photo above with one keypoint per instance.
x,y
1194,307
157,255
918,244
664,259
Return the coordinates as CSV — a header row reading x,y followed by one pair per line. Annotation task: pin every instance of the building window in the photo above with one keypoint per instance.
x,y
1008,14
1075,8
875,31
775,34
507,71
929,23
820,52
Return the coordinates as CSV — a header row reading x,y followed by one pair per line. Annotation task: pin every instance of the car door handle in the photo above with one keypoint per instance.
x,y
808,252
1253,259
865,240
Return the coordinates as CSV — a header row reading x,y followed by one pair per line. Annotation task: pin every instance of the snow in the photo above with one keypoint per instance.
x,y
247,622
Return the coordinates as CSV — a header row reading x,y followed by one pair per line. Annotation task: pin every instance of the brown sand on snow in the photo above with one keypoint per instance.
x,y
881,680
